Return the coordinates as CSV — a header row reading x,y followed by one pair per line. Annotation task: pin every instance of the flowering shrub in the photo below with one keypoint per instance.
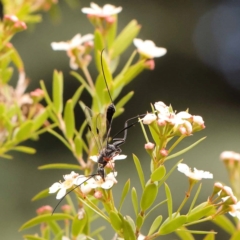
x,y
22,117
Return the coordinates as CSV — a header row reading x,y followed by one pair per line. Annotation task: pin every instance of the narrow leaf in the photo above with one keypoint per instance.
x,y
78,225
169,198
155,225
124,193
58,91
139,170
40,119
82,81
225,224
24,149
77,95
45,218
98,47
125,38
69,119
44,193
24,131
60,166
184,234
135,200
171,225
184,150
116,221
235,236
128,231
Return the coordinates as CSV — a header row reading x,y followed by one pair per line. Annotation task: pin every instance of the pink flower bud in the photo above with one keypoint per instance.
x,y
66,208
20,26
149,64
44,209
98,194
149,146
110,19
149,118
164,152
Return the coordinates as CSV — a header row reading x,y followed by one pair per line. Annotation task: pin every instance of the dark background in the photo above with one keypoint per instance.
x,y
199,72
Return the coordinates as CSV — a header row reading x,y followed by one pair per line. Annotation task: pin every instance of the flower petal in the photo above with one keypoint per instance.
x,y
55,187
61,193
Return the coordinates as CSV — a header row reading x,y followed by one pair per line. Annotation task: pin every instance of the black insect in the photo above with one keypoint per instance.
x,y
107,153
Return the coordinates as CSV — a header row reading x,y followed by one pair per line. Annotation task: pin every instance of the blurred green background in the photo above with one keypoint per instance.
x,y
200,72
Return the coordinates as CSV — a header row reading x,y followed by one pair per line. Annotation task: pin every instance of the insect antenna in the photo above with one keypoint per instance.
x,y
105,76
89,177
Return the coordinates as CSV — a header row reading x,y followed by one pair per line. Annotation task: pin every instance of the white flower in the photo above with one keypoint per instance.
x,y
106,11
149,118
62,187
195,174
235,210
75,42
96,182
118,157
230,155
148,48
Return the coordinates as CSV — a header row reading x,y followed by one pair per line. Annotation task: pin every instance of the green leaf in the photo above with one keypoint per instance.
x,y
158,174
139,221
44,193
124,193
82,81
200,211
17,59
211,236
128,231
78,225
45,218
69,119
225,224
98,47
54,227
171,225
139,170
78,146
124,39
135,200
169,198
235,236
60,166
146,201
155,225
58,91
184,150
24,149
77,95
24,131
184,234
116,221
46,96
123,101
32,237
40,119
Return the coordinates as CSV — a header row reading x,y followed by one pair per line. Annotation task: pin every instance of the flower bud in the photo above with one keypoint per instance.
x,y
149,64
98,194
44,209
164,152
149,146
66,208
